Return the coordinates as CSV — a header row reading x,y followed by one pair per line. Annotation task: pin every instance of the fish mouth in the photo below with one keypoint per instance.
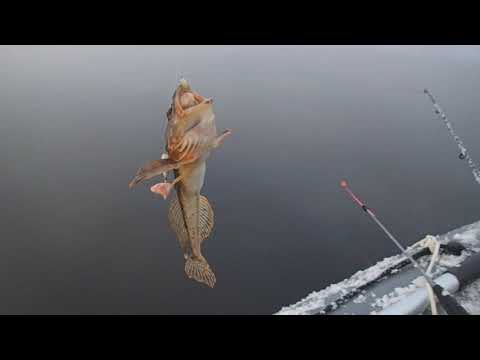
x,y
184,84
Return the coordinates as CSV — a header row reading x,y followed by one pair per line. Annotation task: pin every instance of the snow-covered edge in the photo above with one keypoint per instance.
x,y
469,235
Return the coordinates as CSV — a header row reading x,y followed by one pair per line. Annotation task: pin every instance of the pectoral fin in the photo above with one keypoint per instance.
x,y
221,138
152,169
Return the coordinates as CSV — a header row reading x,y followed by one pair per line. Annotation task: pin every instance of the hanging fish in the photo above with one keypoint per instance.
x,y
190,135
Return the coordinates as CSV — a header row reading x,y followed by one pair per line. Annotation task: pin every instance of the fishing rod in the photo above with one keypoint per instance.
x,y
464,155
449,304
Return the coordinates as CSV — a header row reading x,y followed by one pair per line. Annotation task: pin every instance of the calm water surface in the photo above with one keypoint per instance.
x,y
77,121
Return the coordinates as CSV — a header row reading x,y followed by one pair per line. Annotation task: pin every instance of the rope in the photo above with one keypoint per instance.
x,y
434,246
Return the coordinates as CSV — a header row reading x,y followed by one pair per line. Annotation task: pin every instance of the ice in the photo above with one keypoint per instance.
x,y
469,237
394,296
470,297
450,261
359,299
317,300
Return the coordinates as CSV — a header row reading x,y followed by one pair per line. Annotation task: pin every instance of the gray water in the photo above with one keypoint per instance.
x,y
77,121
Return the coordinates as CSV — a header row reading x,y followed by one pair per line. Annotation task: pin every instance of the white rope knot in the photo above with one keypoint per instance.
x,y
433,245
431,242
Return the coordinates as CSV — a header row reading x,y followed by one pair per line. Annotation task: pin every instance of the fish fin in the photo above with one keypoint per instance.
x,y
199,270
221,138
177,221
152,169
207,219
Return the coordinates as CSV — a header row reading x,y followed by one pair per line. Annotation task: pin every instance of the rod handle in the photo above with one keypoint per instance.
x,y
448,303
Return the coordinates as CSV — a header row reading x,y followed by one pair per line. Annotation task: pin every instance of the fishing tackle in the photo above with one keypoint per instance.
x,y
449,304
464,155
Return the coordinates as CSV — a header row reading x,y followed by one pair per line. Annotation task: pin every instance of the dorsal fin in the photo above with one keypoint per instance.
x,y
206,218
177,222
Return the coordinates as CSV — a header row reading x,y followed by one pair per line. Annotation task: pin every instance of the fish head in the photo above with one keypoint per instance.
x,y
190,123
182,99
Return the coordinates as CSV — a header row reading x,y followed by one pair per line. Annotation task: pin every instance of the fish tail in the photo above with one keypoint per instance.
x,y
199,270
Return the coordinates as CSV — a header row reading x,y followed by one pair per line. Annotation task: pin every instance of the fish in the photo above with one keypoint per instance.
x,y
190,136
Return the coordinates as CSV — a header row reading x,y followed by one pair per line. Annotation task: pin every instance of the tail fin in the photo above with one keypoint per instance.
x,y
199,270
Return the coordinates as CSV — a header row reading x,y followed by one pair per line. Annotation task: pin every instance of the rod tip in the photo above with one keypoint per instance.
x,y
343,184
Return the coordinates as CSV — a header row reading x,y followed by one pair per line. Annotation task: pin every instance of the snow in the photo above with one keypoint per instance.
x,y
359,299
317,300
469,298
394,296
449,261
468,235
